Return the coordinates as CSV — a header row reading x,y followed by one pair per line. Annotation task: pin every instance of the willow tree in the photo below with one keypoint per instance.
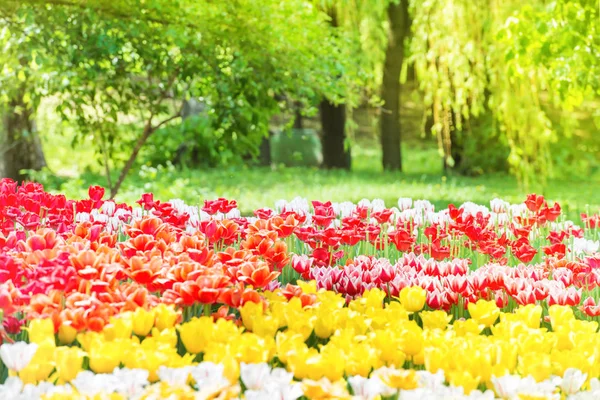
x,y
119,61
391,133
508,58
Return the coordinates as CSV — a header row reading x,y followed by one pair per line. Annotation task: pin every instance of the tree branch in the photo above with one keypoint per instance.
x,y
148,131
110,11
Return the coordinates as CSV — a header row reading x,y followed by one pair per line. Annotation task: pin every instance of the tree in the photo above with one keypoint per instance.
x,y
123,61
399,28
509,59
20,145
336,152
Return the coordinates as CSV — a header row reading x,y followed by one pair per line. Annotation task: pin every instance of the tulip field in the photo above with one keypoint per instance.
x,y
304,300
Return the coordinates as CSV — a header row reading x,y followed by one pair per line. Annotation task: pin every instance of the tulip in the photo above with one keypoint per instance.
x,y
120,327
142,321
41,364
398,378
69,362
464,379
196,334
166,316
484,312
41,331
435,319
17,356
106,356
66,334
411,338
413,298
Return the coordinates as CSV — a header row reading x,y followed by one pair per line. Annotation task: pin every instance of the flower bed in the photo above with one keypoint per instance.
x,y
320,300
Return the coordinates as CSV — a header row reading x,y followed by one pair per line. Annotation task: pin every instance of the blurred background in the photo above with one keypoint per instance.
x,y
260,100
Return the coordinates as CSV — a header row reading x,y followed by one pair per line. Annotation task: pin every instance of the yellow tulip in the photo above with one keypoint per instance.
x,y
143,321
333,363
405,379
484,312
66,334
166,337
410,338
560,316
468,326
248,312
69,362
197,333
325,322
324,389
288,343
360,360
89,338
464,379
41,364
413,298
530,314
388,345
539,366
41,331
106,356
226,331
120,327
265,325
300,322
435,319
165,316
308,287
251,348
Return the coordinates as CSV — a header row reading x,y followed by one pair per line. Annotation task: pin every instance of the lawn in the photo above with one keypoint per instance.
x,y
258,187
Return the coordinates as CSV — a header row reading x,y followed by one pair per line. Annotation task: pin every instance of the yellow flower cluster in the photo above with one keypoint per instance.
x,y
332,340
113,347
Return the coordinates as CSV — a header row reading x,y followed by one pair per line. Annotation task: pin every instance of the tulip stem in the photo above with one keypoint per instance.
x,y
207,310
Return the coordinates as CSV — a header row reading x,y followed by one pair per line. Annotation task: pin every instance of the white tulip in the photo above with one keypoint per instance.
x,y
17,356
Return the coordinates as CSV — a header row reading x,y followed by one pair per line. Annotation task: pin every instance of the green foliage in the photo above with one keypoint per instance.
x,y
513,58
128,61
298,147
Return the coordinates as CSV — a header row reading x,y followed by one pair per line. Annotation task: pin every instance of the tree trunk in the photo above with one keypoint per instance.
x,y
390,93
333,124
20,145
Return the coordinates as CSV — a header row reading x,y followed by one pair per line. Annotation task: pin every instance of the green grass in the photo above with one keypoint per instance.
x,y
262,187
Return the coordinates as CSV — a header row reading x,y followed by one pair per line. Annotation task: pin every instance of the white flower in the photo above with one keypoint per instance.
x,y
369,388
130,382
424,205
377,205
255,376
364,203
82,217
235,213
89,384
108,208
431,381
280,376
404,203
12,388
499,206
17,356
506,386
174,376
581,245
572,381
209,377
283,392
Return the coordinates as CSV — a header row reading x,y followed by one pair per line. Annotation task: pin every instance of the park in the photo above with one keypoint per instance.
x,y
299,199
